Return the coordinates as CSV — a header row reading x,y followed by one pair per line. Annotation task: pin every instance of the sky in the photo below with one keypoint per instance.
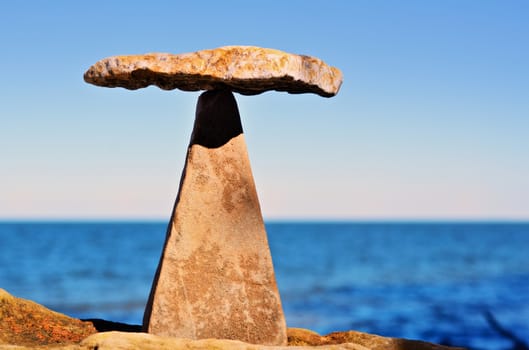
x,y
431,122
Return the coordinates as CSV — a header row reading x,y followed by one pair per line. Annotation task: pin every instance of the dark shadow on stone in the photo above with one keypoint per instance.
x,y
107,326
217,119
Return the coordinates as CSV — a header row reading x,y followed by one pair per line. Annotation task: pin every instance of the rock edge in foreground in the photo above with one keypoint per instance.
x,y
23,322
305,340
28,325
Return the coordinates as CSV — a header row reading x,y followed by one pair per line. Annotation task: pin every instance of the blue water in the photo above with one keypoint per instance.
x,y
429,281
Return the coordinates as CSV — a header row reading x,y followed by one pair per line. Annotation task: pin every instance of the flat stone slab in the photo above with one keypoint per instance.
x,y
248,70
339,341
142,341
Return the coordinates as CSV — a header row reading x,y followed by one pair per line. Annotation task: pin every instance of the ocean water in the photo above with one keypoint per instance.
x,y
431,281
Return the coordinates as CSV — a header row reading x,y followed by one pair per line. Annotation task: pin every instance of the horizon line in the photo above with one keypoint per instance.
x,y
274,220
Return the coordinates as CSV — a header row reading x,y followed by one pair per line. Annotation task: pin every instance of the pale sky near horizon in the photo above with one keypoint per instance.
x,y
432,120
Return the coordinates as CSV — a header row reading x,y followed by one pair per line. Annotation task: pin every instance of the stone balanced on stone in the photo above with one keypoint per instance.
x,y
215,278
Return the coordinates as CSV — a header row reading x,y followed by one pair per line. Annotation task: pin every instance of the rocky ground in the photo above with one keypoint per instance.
x,y
28,325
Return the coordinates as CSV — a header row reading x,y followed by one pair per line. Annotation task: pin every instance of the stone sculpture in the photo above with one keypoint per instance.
x,y
215,278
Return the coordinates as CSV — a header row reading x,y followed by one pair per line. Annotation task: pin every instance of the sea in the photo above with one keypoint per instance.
x,y
454,283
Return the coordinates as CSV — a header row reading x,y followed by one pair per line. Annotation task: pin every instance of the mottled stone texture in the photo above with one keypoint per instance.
x,y
215,278
247,70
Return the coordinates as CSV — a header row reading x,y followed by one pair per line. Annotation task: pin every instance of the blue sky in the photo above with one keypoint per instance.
x,y
432,120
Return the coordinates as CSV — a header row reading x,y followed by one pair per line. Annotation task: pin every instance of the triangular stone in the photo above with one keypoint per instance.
x,y
215,278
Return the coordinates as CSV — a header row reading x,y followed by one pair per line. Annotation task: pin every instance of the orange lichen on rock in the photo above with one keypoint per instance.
x,y
23,322
306,338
